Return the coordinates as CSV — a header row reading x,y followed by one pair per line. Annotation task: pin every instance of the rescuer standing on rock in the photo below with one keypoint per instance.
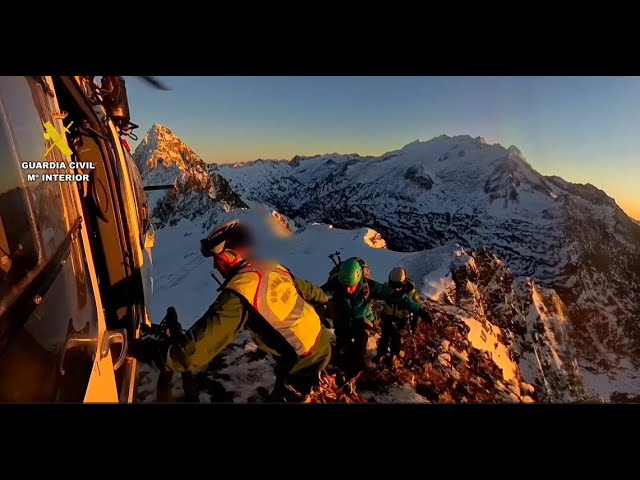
x,y
395,319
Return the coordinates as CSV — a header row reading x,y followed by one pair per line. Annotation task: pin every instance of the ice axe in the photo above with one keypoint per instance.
x,y
412,330
213,275
333,257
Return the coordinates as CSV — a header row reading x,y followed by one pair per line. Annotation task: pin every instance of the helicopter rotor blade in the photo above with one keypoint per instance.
x,y
155,83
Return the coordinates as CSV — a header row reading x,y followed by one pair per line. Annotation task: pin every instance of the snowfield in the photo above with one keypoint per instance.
x,y
183,280
569,237
182,277
535,280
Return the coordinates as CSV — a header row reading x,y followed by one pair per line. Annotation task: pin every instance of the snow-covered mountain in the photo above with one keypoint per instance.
x,y
164,159
495,338
572,238
446,195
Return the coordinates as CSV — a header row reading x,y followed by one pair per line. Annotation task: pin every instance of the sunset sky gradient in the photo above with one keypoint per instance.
x,y
584,129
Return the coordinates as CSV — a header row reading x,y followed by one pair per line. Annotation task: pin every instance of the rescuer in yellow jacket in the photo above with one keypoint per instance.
x,y
268,300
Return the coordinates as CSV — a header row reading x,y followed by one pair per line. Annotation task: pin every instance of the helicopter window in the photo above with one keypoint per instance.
x,y
33,224
48,356
140,197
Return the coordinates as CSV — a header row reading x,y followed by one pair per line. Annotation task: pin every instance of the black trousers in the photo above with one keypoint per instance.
x,y
351,348
302,382
165,381
391,337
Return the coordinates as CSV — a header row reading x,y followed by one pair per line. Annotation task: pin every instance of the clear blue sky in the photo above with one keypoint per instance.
x,y
584,129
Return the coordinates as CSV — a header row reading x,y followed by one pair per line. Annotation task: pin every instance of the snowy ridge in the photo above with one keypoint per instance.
x,y
165,159
533,320
441,194
161,148
572,238
472,349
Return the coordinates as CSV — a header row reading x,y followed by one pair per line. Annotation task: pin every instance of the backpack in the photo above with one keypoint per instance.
x,y
366,271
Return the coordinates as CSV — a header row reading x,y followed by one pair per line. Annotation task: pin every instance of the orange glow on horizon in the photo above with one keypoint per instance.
x,y
630,208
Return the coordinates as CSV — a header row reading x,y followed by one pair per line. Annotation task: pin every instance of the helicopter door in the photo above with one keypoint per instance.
x,y
102,382
101,386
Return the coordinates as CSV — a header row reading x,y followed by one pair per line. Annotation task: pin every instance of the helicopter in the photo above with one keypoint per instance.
x,y
75,256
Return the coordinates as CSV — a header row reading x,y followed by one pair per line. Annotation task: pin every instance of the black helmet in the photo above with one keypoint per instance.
x,y
397,277
228,235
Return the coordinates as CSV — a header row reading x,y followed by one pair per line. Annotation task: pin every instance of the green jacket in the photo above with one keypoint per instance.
x,y
352,308
224,319
391,310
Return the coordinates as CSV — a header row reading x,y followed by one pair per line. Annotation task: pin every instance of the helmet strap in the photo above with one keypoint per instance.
x,y
229,258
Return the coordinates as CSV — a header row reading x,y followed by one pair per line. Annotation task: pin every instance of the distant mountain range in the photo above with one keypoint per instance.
x,y
569,238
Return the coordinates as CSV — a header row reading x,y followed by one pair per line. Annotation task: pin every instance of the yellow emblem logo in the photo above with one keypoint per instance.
x,y
56,138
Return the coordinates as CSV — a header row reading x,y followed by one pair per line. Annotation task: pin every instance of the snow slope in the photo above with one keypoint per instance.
x,y
568,237
182,275
496,196
183,280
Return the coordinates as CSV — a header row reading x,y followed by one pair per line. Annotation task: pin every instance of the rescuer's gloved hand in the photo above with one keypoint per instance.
x,y
150,351
423,314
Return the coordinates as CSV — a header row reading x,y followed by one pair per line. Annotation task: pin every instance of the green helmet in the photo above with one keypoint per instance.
x,y
350,272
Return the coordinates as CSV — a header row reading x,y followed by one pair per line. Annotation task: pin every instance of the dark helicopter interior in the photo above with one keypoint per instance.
x,y
103,207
